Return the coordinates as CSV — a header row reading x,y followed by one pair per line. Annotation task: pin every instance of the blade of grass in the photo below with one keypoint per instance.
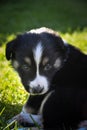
x,y
9,125
2,111
35,122
16,127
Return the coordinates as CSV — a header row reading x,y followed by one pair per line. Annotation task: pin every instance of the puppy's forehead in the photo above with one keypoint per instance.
x,y
35,46
37,52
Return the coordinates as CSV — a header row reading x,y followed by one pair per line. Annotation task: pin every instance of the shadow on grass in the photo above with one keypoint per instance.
x,y
8,113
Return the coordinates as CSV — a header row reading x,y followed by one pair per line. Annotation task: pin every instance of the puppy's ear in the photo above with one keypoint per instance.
x,y
61,47
9,49
62,52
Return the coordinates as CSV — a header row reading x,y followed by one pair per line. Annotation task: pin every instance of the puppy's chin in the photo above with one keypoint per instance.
x,y
38,93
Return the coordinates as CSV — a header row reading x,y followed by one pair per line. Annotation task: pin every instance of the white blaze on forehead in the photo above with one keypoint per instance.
x,y
38,55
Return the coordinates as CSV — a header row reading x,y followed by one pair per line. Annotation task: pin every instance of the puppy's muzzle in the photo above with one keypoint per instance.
x,y
36,89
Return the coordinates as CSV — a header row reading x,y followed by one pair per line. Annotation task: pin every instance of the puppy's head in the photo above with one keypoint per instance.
x,y
37,55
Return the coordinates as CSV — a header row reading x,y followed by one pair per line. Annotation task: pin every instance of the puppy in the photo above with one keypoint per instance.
x,y
54,73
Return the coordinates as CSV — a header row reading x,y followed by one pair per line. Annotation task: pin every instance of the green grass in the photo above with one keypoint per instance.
x,y
69,17
12,93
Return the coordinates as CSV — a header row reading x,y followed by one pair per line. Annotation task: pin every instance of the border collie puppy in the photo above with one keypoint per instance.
x,y
55,75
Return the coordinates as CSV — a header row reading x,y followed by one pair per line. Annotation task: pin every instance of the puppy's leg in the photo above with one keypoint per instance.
x,y
31,109
29,114
28,120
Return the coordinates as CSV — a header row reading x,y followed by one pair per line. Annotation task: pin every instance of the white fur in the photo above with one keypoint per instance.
x,y
42,30
44,101
39,80
30,118
27,117
38,54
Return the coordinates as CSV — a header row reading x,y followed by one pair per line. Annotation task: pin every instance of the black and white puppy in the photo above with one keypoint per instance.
x,y
55,74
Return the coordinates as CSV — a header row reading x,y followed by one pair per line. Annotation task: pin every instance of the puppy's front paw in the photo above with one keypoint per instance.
x,y
23,120
27,120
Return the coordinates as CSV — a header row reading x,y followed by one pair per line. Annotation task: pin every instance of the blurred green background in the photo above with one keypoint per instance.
x,y
62,15
68,17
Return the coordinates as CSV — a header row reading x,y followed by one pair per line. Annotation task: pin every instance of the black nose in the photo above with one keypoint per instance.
x,y
37,89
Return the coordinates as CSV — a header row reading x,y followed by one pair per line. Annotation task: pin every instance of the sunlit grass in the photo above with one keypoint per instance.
x,y
77,38
12,93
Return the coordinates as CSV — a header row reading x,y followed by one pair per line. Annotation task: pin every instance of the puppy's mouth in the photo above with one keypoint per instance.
x,y
37,90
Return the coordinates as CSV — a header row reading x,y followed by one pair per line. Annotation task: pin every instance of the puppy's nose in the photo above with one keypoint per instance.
x,y
37,89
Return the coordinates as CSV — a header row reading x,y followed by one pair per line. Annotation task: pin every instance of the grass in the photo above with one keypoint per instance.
x,y
12,94
69,17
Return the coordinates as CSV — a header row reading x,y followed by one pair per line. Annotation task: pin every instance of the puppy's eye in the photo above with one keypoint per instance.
x,y
25,67
47,67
